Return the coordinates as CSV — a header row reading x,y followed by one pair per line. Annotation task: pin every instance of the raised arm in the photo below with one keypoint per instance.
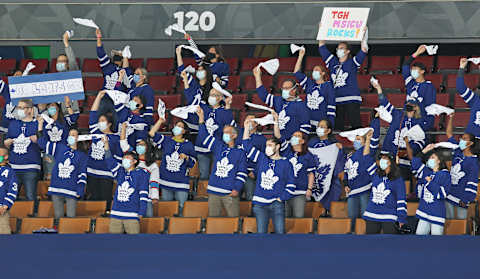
x,y
98,33
276,128
466,93
298,64
257,73
96,103
72,59
178,51
449,129
320,42
156,127
366,147
406,64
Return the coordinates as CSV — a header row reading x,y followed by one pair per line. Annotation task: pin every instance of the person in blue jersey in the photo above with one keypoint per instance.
x,y
464,173
57,131
387,204
319,90
259,141
214,59
24,152
292,112
358,167
69,174
9,108
472,100
137,126
99,176
433,184
229,169
275,182
418,88
131,196
178,157
8,191
343,70
402,121
324,131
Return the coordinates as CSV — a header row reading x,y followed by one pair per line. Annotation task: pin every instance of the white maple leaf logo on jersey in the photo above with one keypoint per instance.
x,y
111,80
211,126
398,140
419,190
174,162
351,168
9,108
427,195
379,193
321,173
283,119
223,168
314,100
65,169
124,192
457,173
55,134
340,78
98,150
20,144
477,118
296,165
414,97
268,180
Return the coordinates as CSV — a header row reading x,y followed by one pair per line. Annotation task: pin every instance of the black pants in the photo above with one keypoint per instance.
x,y
100,189
374,227
349,111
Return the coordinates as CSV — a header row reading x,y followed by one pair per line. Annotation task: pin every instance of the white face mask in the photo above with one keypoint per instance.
x,y
102,125
269,151
212,100
320,132
415,74
340,53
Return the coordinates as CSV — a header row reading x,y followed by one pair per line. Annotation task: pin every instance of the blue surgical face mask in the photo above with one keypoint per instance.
x,y
357,144
340,53
102,125
136,78
431,163
226,138
141,149
132,105
126,163
212,100
320,131
285,94
316,75
383,164
71,140
52,111
294,140
201,74
21,113
61,66
462,144
414,73
177,130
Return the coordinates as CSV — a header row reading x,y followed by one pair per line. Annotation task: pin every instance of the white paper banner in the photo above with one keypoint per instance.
x,y
343,24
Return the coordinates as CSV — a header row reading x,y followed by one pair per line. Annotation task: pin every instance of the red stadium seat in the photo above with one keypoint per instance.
x,y
287,64
41,65
249,63
233,84
249,82
384,64
365,118
436,80
163,83
311,62
448,63
282,78
425,60
363,83
257,100
83,121
458,102
395,82
238,101
443,99
92,84
397,100
189,61
91,65
233,64
7,66
135,63
370,100
53,65
344,141
160,65
461,119
471,80
303,97
171,101
90,100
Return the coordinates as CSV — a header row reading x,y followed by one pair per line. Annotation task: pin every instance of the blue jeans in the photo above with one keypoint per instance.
x,y
356,206
204,162
263,213
249,188
149,212
180,196
29,180
450,211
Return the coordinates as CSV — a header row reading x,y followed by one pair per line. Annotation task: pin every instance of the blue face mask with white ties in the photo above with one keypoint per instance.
x,y
136,78
294,140
52,111
462,144
176,131
71,140
141,149
285,94
431,163
226,138
126,163
414,73
132,105
316,75
383,164
357,144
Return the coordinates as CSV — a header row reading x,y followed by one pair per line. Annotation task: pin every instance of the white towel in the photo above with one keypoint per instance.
x,y
266,120
271,66
259,106
30,66
69,33
182,112
373,81
89,137
196,51
118,97
474,60
190,69
294,48
431,49
126,52
173,27
384,114
86,22
219,88
446,144
351,135
436,109
415,133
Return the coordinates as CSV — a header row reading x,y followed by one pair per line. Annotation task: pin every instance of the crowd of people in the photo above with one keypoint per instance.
x,y
279,173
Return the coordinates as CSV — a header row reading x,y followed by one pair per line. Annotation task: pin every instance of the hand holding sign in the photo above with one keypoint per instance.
x,y
343,24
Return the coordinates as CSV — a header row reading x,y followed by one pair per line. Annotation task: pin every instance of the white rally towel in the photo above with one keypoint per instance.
x,y
86,22
384,114
190,69
118,97
182,112
264,121
436,109
196,51
173,27
271,66
351,135
259,106
126,52
219,88
415,133
373,81
69,33
30,66
89,137
47,119
474,60
431,49
327,159
446,144
294,48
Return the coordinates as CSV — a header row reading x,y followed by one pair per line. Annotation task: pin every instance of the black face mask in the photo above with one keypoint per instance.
x,y
210,56
409,108
117,58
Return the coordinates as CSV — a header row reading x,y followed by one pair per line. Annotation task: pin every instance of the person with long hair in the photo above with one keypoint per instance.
x,y
178,157
434,183
464,173
387,205
141,87
319,89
